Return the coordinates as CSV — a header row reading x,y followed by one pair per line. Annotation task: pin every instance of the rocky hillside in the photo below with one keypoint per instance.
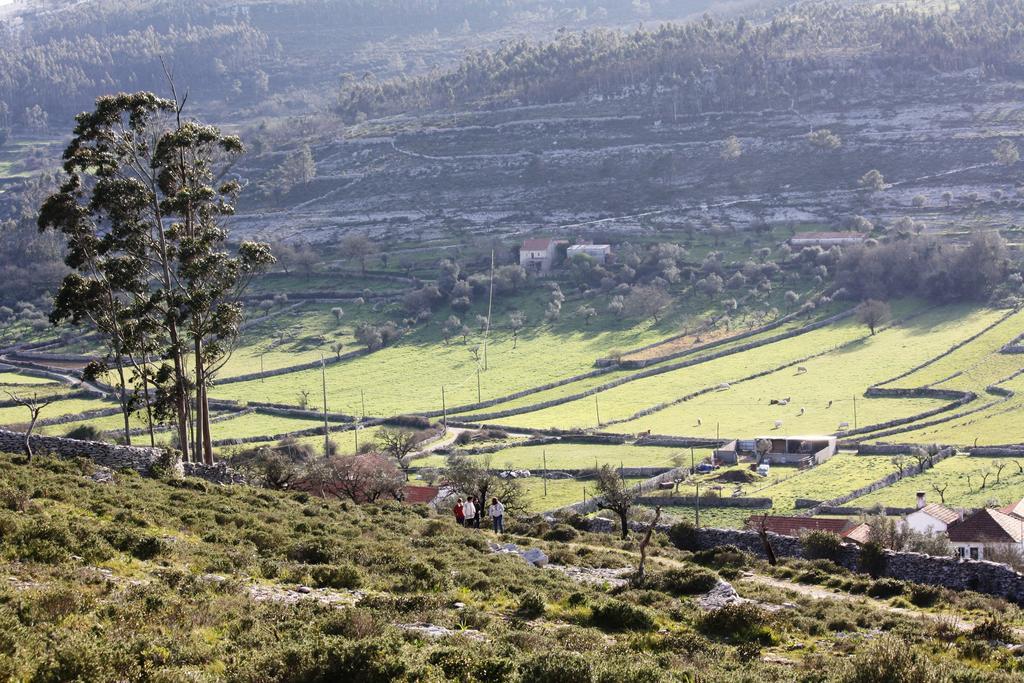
x,y
127,578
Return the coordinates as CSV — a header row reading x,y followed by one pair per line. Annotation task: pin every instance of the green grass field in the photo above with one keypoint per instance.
x,y
577,456
560,492
10,380
954,473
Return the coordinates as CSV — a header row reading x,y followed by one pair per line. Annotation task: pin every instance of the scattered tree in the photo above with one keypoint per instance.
x,y
872,181
35,405
358,247
1006,153
400,444
873,313
614,495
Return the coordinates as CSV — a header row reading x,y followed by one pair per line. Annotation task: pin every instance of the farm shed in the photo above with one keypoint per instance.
x,y
538,255
983,531
802,451
826,239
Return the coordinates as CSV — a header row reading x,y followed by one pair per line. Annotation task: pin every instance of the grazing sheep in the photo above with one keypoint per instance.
x,y
778,423
724,386
699,423
800,369
844,425
829,404
801,412
784,402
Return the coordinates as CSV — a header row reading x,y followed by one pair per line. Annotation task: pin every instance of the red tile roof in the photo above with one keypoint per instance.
x,y
536,244
987,526
794,526
1014,509
940,512
419,494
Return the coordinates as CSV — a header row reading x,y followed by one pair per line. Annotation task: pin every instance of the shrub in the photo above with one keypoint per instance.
x,y
342,576
314,551
885,588
619,615
630,671
685,581
684,536
822,545
463,438
723,556
369,661
577,599
993,628
739,622
890,659
84,432
556,667
562,533
531,605
873,560
924,596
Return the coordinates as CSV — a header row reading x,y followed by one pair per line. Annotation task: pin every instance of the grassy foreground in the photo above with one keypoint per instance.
x,y
181,581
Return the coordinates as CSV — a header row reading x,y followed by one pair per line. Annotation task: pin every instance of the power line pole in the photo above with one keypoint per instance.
x,y
597,408
855,411
490,302
697,505
323,383
444,411
261,368
478,385
545,456
362,400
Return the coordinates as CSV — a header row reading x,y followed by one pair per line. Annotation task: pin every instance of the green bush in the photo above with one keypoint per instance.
x,y
684,536
723,556
885,588
562,533
678,581
85,432
314,551
873,560
890,659
633,670
531,605
739,622
924,596
993,628
343,576
621,616
822,545
556,667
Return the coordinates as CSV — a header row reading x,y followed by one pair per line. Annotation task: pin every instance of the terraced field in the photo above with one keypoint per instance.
x,y
962,475
579,456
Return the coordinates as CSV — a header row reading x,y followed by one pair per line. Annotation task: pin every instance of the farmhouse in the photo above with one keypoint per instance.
x,y
826,239
599,252
847,529
930,518
983,531
538,255
802,451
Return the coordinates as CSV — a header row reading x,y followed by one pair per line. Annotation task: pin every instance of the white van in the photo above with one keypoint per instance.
x,y
763,468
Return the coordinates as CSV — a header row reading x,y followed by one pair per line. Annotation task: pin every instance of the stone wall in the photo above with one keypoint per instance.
x,y
949,572
113,456
1012,451
708,501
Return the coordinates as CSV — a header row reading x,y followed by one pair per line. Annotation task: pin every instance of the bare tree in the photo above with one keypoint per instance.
x,y
400,445
984,474
941,490
999,470
364,478
35,405
762,532
641,575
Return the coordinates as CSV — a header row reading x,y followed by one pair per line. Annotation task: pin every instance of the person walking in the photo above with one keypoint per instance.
x,y
497,514
459,516
468,512
478,511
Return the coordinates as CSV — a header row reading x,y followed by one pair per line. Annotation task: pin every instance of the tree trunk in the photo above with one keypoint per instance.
x,y
641,574
624,520
125,403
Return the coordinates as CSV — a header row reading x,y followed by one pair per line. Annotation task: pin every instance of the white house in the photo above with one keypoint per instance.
x,y
984,530
599,252
538,255
930,518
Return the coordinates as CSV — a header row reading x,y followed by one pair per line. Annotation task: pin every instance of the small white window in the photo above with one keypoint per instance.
x,y
974,553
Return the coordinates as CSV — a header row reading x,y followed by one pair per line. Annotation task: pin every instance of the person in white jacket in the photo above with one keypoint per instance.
x,y
468,512
497,514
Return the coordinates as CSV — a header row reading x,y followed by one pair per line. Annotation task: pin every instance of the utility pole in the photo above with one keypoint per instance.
x,y
692,470
597,408
544,454
356,432
323,383
855,411
478,385
490,302
444,411
261,367
718,431
362,400
697,505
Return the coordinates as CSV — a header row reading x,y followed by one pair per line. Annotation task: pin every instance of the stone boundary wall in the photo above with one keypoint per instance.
x,y
312,431
51,357
885,448
652,484
804,503
680,441
885,481
960,344
115,457
707,501
1013,451
293,368
659,368
949,572
956,398
946,418
81,393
